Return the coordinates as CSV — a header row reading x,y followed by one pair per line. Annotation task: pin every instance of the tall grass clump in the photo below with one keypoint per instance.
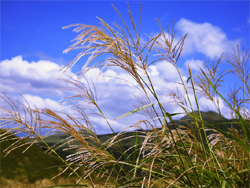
x,y
200,154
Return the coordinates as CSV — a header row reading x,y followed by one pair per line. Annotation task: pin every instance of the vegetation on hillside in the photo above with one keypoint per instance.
x,y
201,154
31,168
184,123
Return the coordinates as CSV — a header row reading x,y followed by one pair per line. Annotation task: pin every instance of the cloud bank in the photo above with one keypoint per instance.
x,y
20,76
205,38
115,96
38,81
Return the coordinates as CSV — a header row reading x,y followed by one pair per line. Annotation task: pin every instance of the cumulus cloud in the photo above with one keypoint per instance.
x,y
36,101
20,76
194,64
205,38
115,96
35,70
210,105
167,70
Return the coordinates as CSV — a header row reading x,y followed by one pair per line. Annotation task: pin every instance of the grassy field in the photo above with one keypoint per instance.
x,y
204,149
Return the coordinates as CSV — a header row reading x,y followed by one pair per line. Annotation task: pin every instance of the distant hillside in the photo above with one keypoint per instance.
x,y
208,116
21,167
57,139
54,139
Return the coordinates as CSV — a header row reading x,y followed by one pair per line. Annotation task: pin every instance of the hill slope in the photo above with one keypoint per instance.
x,y
210,117
23,167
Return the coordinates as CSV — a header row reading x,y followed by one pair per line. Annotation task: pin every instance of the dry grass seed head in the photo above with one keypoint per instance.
x,y
213,75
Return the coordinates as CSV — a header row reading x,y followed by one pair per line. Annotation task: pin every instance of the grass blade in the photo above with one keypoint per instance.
x,y
134,111
136,145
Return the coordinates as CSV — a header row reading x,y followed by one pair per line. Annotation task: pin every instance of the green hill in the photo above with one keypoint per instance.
x,y
29,166
210,117
55,140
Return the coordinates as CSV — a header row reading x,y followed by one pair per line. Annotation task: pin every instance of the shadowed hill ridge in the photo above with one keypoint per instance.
x,y
207,116
210,117
29,166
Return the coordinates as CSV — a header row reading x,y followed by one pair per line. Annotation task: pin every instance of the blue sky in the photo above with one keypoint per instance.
x,y
32,42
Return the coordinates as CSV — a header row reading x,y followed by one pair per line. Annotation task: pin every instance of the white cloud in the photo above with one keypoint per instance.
x,y
194,64
204,38
153,71
115,96
35,70
20,76
209,105
36,101
167,70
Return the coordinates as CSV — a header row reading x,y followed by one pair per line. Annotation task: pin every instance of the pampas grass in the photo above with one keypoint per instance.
x,y
201,154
